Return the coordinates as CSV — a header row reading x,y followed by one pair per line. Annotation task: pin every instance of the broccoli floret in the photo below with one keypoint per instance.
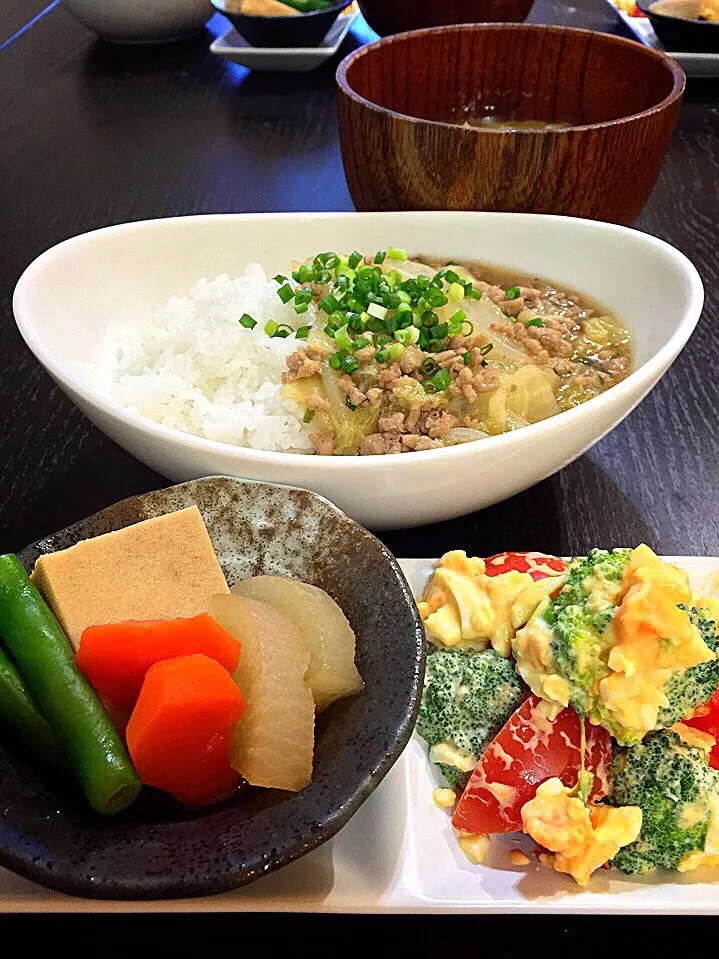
x,y
696,685
467,699
581,628
580,619
455,777
673,784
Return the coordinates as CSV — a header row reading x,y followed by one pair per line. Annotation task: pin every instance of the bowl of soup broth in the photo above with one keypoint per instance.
x,y
411,367
507,117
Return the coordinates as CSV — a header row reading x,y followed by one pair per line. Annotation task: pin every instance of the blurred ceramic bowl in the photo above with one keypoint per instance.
x,y
137,21
305,30
66,299
409,108
677,24
395,16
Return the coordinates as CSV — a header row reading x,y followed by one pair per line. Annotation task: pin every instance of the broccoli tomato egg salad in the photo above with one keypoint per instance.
x,y
576,703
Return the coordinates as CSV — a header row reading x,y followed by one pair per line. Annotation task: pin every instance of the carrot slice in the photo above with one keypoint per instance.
x,y
116,658
179,732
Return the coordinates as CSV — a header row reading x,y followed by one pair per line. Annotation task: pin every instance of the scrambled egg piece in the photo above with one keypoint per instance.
x,y
694,737
582,837
709,10
708,603
532,648
465,608
474,845
445,798
709,856
627,668
653,638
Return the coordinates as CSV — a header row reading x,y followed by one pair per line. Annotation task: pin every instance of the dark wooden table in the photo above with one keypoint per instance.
x,y
92,134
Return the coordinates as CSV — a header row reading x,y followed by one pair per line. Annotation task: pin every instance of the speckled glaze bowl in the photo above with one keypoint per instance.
x,y
157,850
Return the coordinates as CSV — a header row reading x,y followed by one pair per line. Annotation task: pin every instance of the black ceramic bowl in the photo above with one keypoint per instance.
x,y
49,834
307,30
675,23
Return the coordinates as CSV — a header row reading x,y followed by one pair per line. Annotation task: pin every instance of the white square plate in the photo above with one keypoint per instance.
x,y
233,46
398,855
693,64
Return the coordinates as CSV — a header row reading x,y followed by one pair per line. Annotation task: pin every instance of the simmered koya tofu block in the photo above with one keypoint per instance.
x,y
162,568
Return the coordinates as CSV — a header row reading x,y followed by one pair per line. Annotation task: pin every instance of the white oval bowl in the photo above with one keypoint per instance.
x,y
140,21
69,294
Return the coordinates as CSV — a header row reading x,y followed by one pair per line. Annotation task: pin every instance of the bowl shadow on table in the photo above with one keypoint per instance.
x,y
531,520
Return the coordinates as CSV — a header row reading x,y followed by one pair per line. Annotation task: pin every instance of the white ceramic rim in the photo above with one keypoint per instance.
x,y
648,371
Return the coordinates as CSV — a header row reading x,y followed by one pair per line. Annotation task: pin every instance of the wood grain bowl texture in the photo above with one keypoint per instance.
x,y
402,103
395,16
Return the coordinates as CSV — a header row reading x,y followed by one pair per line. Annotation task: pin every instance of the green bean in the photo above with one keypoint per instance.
x,y
21,714
46,662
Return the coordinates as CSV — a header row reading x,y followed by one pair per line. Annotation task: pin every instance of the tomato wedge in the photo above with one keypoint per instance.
x,y
706,719
538,565
527,751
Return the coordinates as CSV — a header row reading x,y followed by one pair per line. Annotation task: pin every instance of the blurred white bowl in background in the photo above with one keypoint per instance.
x,y
141,21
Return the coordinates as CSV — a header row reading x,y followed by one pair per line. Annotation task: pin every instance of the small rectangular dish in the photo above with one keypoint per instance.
x,y
693,64
233,47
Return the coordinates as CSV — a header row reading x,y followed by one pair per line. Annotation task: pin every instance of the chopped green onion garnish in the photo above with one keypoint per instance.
x,y
513,293
285,293
440,331
380,257
394,253
374,309
335,361
247,321
349,364
302,332
407,336
487,348
456,292
467,358
279,278
451,277
396,351
473,294
343,339
309,416
440,381
329,305
282,331
350,406
271,328
381,356
301,307
537,321
395,277
428,366
361,343
354,323
354,261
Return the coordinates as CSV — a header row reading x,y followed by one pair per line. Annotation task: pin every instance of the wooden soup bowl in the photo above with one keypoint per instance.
x,y
404,103
395,16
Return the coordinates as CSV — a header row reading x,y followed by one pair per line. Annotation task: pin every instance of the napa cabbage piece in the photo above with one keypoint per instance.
x,y
348,427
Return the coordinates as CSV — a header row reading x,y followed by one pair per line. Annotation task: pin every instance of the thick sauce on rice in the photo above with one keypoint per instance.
x,y
421,355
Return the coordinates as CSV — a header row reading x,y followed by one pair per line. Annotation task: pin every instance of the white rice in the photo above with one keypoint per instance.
x,y
194,367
